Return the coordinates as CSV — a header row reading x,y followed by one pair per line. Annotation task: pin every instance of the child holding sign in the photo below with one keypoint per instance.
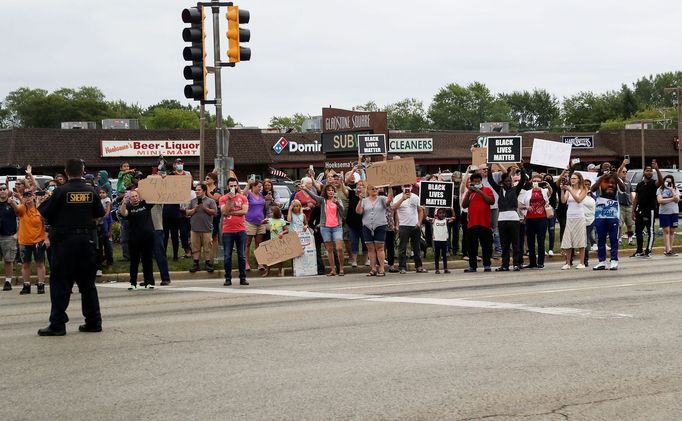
x,y
440,238
278,227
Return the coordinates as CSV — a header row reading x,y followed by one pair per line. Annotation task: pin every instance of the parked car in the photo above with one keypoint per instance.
x,y
283,187
635,176
11,180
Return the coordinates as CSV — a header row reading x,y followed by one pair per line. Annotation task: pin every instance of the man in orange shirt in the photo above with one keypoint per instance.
x,y
32,241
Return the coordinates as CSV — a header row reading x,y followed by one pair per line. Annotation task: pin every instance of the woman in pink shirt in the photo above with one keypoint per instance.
x,y
331,225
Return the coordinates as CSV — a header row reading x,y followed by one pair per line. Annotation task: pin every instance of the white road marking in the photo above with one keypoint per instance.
x,y
451,302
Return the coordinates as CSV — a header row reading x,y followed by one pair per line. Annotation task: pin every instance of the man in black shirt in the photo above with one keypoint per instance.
x,y
8,231
644,206
71,212
139,215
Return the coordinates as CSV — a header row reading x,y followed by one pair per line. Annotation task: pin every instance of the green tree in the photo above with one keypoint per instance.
x,y
165,118
407,114
285,123
538,110
456,107
369,106
121,109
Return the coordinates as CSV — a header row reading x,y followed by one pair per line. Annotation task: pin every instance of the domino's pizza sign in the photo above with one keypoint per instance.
x,y
280,145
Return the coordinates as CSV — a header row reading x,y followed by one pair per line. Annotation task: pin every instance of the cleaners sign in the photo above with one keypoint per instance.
x,y
371,144
504,149
436,194
142,148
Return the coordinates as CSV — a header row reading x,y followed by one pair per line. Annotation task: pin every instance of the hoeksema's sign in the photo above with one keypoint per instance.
x,y
142,148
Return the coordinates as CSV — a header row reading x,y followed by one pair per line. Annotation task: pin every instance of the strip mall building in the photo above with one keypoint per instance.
x,y
255,151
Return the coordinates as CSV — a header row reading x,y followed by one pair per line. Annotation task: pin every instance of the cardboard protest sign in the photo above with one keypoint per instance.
x,y
504,149
172,189
279,249
372,144
550,154
395,172
479,156
436,194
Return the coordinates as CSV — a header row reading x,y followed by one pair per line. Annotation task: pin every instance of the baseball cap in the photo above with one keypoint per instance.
x,y
591,167
179,160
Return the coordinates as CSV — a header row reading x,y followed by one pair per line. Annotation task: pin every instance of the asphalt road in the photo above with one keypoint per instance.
x,y
534,345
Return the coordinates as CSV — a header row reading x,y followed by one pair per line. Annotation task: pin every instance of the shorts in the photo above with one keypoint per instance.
x,y
252,229
33,252
668,220
378,236
8,247
331,234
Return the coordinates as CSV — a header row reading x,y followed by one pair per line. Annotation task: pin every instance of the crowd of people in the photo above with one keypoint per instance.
x,y
504,216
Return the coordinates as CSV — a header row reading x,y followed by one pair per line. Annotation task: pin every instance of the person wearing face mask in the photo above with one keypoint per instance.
x,y
508,220
668,197
644,207
233,207
139,216
478,199
536,200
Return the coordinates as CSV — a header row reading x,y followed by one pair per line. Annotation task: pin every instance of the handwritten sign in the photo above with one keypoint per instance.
x,y
372,144
306,264
173,189
395,172
279,249
436,194
504,149
550,154
479,156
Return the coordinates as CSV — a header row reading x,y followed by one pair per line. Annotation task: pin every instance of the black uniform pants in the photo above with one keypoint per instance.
x,y
142,248
73,259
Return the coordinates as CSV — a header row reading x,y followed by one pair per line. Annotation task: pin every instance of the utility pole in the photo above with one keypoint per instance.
x,y
221,147
678,99
641,126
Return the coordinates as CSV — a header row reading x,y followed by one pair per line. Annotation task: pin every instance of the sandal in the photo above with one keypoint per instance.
x,y
372,273
331,274
342,273
380,273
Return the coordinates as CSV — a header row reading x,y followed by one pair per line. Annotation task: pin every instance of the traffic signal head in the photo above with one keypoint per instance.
x,y
236,35
195,52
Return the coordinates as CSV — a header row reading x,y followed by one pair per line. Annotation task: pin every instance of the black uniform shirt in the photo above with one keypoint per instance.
x,y
646,195
72,205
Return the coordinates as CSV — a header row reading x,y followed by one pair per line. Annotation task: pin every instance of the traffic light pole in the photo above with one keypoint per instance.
x,y
222,141
678,95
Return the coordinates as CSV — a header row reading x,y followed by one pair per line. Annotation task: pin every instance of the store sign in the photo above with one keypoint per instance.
x,y
347,122
296,147
371,144
340,142
504,149
579,141
343,165
410,145
142,148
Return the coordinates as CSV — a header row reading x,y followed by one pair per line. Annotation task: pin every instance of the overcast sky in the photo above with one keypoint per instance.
x,y
309,54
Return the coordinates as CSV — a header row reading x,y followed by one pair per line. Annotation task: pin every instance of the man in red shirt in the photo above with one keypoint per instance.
x,y
233,206
478,200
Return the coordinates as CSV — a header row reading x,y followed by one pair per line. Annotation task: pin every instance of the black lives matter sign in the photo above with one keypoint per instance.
x,y
504,149
372,144
436,194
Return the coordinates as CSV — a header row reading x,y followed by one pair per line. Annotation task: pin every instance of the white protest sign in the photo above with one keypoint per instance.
x,y
306,264
547,153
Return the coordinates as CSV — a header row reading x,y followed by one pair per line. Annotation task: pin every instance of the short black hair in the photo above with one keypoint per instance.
x,y
476,176
74,167
203,187
231,179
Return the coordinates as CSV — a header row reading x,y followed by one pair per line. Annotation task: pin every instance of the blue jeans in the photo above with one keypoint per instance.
x,y
607,226
237,239
160,255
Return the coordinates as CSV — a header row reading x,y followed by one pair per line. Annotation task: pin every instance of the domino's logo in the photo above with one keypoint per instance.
x,y
280,145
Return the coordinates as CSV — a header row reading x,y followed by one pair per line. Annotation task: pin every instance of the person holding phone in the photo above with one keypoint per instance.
x,y
536,200
201,210
668,197
331,226
644,208
478,199
234,206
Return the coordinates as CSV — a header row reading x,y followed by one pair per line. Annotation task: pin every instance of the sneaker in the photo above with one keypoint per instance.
x,y
468,270
8,286
446,271
227,283
165,283
540,267
132,287
41,288
487,269
243,282
502,269
209,267
194,268
148,286
614,265
354,264
637,254
566,267
25,290
516,269
367,262
550,253
393,270
600,266
594,247
421,269
631,241
580,266
403,271
437,272
647,255
99,273
465,257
